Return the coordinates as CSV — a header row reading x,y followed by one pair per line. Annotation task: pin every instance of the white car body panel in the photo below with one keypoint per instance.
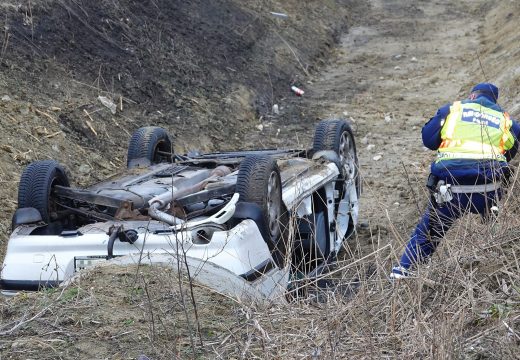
x,y
219,264
51,257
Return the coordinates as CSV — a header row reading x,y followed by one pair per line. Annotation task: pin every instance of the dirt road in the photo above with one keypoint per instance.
x,y
389,76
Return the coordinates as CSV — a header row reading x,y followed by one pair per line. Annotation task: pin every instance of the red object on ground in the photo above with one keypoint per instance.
x,y
297,91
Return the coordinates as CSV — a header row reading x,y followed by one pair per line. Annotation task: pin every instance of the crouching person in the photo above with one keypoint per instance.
x,y
474,139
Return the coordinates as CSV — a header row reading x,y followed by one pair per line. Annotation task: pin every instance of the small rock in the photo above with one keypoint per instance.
x,y
260,127
364,140
276,110
397,203
363,225
345,113
24,110
377,157
388,118
397,68
279,15
6,98
381,78
41,131
398,56
413,59
108,103
370,147
84,169
316,354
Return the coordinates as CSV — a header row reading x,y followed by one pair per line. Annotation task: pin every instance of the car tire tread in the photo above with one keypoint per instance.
x,y
36,183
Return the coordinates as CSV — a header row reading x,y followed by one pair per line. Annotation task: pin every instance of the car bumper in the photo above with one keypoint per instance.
x,y
238,256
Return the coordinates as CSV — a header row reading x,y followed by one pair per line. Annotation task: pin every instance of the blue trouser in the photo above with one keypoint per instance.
x,y
435,222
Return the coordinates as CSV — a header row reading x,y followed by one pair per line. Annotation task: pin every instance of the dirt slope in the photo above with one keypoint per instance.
x,y
208,71
397,63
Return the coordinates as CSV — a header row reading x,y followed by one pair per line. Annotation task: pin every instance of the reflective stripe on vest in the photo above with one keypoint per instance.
x,y
473,131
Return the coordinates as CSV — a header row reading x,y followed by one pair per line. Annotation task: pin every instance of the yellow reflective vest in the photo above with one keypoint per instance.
x,y
473,131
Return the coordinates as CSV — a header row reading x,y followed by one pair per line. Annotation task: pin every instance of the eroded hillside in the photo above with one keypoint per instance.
x,y
207,71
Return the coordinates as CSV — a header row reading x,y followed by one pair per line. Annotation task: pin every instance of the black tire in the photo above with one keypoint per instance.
x,y
312,246
312,233
336,135
151,143
35,188
259,182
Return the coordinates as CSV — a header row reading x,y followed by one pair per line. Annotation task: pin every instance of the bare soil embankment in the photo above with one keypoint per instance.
x,y
209,72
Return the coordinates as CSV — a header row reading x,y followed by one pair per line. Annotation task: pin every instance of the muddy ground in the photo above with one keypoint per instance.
x,y
210,72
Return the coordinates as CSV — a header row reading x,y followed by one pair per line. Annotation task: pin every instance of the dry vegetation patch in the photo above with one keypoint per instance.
x,y
463,304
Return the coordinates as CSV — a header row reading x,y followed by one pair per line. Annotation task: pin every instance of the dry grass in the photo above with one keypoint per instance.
x,y
465,304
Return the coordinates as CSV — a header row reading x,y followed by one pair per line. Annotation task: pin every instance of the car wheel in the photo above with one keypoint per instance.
x,y
151,143
259,182
336,135
313,243
36,184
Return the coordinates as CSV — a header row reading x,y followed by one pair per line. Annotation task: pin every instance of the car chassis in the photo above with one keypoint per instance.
x,y
246,223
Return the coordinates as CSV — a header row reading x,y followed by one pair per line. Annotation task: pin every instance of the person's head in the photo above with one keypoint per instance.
x,y
488,90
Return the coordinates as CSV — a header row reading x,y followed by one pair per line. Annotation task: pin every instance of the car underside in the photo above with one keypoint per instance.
x,y
258,217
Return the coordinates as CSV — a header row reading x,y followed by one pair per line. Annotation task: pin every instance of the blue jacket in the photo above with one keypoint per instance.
x,y
467,171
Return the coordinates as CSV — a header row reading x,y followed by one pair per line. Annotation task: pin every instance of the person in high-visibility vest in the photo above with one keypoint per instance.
x,y
474,138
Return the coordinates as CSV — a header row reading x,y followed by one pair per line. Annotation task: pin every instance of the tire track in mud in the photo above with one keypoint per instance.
x,y
392,70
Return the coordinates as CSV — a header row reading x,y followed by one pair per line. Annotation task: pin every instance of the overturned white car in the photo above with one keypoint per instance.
x,y
244,222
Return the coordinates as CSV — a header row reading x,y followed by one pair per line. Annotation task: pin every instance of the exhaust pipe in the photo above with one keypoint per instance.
x,y
161,201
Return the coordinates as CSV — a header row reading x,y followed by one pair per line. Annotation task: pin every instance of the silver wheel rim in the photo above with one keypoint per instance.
x,y
274,205
349,169
347,156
